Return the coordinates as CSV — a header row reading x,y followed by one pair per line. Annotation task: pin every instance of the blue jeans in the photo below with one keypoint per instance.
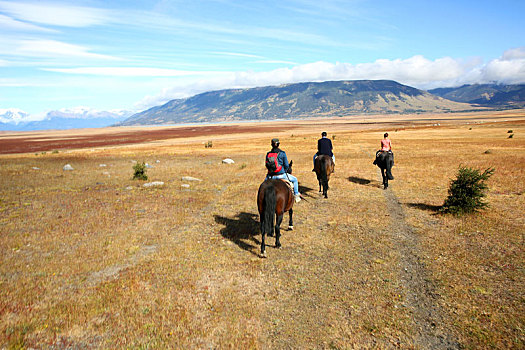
x,y
292,179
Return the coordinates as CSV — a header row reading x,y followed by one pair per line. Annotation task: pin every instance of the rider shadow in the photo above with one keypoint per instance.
x,y
426,207
241,230
304,190
364,182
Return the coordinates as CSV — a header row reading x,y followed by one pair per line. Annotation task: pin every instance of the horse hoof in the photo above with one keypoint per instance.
x,y
278,246
263,255
290,228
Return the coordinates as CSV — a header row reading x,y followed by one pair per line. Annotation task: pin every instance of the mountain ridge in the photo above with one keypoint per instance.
x,y
492,95
296,101
14,119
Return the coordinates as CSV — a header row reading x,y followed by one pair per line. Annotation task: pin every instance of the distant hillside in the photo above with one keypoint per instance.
x,y
17,120
303,100
510,96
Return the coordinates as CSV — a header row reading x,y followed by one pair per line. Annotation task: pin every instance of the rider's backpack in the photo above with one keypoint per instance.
x,y
272,164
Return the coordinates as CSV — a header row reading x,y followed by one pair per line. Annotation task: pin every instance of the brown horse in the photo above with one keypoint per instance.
x,y
324,166
274,197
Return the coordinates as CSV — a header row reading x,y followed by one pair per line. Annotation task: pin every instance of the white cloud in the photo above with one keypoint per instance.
x,y
127,71
416,71
513,54
55,14
50,48
12,24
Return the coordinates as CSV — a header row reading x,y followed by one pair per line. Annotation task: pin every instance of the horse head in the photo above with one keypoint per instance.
x,y
289,171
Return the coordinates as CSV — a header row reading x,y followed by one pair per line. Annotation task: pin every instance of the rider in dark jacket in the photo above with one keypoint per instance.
x,y
324,146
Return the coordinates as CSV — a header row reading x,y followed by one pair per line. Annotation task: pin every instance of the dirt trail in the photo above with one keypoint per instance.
x,y
419,293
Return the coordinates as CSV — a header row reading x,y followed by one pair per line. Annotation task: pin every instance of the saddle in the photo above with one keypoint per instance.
x,y
288,183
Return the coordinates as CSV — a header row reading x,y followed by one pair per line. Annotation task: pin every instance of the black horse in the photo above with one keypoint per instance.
x,y
323,166
385,162
275,197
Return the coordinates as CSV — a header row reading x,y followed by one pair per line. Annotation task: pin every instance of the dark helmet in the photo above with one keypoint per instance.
x,y
324,133
275,142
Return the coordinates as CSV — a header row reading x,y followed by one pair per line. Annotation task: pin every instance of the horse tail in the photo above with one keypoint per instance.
x,y
324,170
270,202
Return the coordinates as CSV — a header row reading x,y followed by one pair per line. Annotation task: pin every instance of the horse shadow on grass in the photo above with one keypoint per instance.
x,y
365,182
304,190
426,207
241,230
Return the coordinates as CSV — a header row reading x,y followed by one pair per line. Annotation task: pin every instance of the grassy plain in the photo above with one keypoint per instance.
x,y
92,259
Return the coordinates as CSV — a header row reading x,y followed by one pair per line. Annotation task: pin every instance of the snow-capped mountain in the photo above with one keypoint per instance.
x,y
13,116
80,117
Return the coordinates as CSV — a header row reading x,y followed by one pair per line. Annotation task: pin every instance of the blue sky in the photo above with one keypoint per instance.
x,y
132,55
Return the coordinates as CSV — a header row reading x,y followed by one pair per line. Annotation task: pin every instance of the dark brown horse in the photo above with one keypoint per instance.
x,y
385,162
324,166
275,197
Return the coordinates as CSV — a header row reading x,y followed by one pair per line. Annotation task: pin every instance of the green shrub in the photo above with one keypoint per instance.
x,y
209,144
140,171
511,136
510,132
466,192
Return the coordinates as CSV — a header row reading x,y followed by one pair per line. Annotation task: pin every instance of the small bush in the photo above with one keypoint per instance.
x,y
510,132
140,171
333,137
511,136
208,144
466,192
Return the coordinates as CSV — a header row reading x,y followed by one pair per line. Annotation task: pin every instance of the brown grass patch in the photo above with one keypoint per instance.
x,y
90,258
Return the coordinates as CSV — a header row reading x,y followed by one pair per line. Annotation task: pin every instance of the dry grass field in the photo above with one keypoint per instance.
x,y
93,259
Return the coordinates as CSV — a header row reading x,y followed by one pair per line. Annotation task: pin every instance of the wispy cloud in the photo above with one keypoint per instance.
x,y
235,54
128,71
274,62
8,23
41,48
55,14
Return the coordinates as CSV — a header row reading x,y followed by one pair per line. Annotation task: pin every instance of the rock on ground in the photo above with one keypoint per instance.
x,y
67,167
154,183
228,161
190,178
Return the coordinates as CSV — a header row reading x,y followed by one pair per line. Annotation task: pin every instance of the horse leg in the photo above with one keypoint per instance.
x,y
290,223
320,186
278,230
385,179
388,165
